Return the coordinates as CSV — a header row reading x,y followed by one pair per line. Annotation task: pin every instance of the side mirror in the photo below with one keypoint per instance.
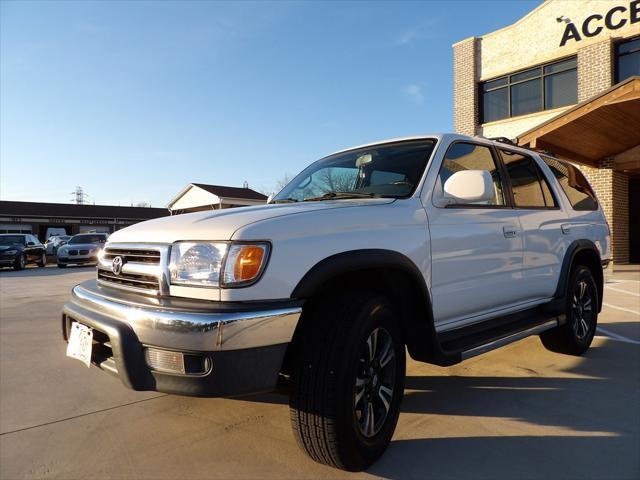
x,y
269,198
469,186
30,244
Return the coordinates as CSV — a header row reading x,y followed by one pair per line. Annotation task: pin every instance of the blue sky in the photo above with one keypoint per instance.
x,y
133,100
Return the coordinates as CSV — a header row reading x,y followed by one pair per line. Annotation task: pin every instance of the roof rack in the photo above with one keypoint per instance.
x,y
505,140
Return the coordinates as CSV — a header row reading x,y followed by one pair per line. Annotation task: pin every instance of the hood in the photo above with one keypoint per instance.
x,y
221,224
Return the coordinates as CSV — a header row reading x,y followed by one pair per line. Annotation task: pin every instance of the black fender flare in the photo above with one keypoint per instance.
x,y
576,247
425,347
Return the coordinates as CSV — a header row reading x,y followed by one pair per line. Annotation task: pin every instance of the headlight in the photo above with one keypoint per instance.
x,y
213,264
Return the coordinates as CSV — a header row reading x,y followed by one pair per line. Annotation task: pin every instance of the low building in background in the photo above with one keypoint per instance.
x,y
197,197
564,79
45,219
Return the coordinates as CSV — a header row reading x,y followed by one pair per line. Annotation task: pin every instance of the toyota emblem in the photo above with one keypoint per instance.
x,y
116,265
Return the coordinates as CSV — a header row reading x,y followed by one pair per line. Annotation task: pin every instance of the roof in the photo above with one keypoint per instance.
x,y
602,126
231,192
38,209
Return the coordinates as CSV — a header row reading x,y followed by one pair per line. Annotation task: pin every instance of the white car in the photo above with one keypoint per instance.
x,y
447,245
54,242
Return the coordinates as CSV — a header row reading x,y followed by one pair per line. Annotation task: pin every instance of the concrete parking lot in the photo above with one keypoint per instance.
x,y
518,412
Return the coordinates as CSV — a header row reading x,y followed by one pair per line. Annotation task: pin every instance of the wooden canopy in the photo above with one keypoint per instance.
x,y
605,125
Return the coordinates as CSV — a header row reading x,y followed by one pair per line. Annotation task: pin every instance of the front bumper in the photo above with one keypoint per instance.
x,y
242,347
77,259
7,260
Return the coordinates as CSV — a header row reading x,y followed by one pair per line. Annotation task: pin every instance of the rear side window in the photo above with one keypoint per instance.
x,y
573,183
469,156
530,187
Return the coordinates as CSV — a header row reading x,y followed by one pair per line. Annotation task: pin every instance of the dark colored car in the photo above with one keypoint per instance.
x,y
19,249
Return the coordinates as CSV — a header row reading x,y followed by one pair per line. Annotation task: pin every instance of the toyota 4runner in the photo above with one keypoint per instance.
x,y
444,246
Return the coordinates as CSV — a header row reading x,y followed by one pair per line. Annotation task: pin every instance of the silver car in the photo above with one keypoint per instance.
x,y
81,249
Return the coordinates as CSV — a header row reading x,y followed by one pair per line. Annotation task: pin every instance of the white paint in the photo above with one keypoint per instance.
x,y
622,309
622,291
615,336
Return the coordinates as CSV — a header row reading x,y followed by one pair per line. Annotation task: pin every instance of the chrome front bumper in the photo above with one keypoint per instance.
x,y
168,327
245,343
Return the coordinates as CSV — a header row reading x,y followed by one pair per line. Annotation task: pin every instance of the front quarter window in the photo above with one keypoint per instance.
x,y
389,170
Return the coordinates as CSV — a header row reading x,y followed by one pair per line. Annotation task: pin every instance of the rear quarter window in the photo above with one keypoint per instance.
x,y
573,184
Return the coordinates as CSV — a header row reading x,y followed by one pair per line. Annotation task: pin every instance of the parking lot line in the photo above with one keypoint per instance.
x,y
609,334
635,312
622,291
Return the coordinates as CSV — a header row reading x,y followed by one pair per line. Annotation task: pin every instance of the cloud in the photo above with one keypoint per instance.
x,y
414,93
416,32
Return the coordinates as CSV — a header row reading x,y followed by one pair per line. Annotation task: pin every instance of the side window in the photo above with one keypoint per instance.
x,y
530,187
469,156
573,184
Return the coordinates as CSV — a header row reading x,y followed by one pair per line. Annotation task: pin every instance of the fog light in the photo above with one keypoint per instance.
x,y
165,360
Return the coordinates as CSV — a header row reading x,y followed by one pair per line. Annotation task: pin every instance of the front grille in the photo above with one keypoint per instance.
x,y
141,268
73,252
129,279
131,255
84,252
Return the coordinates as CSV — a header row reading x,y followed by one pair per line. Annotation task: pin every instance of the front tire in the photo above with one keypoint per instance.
x,y
20,263
62,265
43,260
348,380
576,335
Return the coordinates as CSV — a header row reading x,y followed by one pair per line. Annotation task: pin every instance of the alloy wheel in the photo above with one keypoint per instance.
x,y
375,380
582,309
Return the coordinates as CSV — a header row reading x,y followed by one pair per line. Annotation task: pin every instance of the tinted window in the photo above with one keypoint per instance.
x,y
468,156
530,188
12,240
573,184
89,238
526,97
523,92
628,63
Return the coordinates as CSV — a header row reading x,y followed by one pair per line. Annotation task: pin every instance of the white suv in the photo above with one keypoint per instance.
x,y
447,245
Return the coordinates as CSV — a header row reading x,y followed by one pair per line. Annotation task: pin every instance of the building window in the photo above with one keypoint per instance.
x,y
544,87
628,59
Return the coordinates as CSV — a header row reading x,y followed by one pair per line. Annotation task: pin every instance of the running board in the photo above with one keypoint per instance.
x,y
514,337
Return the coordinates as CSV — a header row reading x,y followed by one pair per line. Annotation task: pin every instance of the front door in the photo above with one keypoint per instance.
x,y
476,249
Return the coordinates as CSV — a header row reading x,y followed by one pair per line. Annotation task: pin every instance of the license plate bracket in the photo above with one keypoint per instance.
x,y
80,343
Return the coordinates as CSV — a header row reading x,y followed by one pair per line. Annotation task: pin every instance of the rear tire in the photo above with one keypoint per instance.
x,y
348,380
62,265
576,335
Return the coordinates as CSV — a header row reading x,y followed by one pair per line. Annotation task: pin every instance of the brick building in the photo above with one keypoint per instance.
x,y
565,78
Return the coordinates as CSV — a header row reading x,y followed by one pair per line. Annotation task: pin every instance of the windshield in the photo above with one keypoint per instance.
x,y
87,239
391,170
12,240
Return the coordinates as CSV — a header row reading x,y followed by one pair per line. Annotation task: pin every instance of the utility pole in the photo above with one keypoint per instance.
x,y
79,197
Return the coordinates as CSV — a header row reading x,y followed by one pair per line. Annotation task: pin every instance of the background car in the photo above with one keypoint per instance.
x,y
54,242
19,249
81,249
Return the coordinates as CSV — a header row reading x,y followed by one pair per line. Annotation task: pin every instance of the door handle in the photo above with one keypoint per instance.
x,y
509,232
566,228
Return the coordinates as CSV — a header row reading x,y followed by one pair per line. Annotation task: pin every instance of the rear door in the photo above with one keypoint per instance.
x,y
542,220
476,249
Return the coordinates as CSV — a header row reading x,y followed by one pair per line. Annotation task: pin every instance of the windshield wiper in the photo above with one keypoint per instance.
x,y
341,195
285,200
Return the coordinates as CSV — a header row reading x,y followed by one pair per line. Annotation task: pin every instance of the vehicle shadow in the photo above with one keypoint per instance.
x,y
587,417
